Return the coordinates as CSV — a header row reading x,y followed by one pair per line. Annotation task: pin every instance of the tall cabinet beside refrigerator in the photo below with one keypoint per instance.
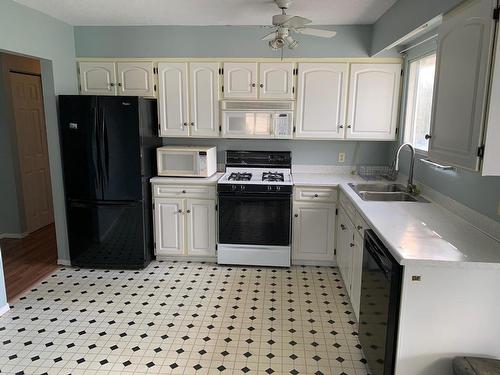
x,y
108,154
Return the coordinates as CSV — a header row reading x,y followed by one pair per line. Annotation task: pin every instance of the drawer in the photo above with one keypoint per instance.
x,y
178,191
360,223
315,194
348,206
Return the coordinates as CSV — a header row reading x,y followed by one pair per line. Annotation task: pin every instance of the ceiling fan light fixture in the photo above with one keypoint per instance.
x,y
277,43
292,43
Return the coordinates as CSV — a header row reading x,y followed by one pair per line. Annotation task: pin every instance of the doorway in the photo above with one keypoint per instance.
x,y
28,246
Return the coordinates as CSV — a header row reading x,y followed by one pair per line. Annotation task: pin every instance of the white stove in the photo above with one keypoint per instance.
x,y
257,176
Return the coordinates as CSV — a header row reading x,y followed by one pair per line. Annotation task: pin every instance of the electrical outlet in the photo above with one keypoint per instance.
x,y
341,157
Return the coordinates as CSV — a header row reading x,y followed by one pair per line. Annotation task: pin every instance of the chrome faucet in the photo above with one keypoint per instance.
x,y
410,188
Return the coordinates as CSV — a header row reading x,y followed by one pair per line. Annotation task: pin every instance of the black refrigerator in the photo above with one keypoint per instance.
x,y
108,154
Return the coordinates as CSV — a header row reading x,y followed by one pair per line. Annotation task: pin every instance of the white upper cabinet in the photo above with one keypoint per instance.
x,y
465,44
135,78
240,80
97,78
276,81
173,91
204,99
374,91
321,100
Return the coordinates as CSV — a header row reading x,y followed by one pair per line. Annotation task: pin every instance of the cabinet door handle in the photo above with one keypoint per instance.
x,y
192,124
120,84
296,215
261,85
253,85
342,226
184,192
341,126
188,211
185,124
349,126
351,244
316,195
112,84
179,211
428,136
359,227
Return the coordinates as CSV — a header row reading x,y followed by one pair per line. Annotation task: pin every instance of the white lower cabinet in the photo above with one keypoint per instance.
x,y
184,227
313,226
350,255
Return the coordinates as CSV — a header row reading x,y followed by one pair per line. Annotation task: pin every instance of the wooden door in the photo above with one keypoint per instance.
x,y
97,78
313,231
173,98
240,80
373,101
135,78
276,81
27,102
200,214
463,59
204,99
169,226
321,100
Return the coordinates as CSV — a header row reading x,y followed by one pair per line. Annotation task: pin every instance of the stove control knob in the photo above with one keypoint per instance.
x,y
233,187
278,188
269,188
242,187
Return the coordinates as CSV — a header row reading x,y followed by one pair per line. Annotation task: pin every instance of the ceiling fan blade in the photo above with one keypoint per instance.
x,y
269,36
296,22
316,32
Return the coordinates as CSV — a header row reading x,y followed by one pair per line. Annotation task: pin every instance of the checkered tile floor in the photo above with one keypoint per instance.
x,y
184,318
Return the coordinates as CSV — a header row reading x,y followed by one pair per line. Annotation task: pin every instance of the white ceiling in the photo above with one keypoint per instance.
x,y
206,12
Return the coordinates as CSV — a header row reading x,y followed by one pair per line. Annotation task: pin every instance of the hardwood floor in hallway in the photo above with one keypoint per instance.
x,y
28,260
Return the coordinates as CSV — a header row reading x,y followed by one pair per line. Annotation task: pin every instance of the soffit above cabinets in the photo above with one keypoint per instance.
x,y
213,12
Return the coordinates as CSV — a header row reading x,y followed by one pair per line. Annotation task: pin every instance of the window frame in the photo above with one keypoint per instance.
x,y
408,59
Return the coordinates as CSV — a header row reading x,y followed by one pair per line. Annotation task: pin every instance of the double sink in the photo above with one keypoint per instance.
x,y
386,193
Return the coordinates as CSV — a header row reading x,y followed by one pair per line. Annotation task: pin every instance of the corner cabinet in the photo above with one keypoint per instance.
x,y
321,112
463,63
313,225
374,91
134,78
184,221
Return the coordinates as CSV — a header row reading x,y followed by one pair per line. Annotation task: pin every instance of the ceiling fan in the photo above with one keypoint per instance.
x,y
285,25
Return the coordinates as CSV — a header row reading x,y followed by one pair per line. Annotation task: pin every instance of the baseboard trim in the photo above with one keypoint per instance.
x,y
4,309
63,262
207,259
319,263
16,236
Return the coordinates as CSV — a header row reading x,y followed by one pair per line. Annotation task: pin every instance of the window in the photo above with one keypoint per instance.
x,y
419,101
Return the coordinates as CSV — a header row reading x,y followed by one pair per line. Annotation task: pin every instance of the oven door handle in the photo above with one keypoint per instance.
x,y
250,196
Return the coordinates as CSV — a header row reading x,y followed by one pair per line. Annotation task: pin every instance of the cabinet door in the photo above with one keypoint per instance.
x,y
313,231
200,214
169,226
97,78
345,243
373,101
173,98
357,268
321,100
204,99
240,80
465,44
276,81
135,78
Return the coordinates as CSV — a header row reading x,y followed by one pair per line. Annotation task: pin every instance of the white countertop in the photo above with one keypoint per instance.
x,y
212,180
324,179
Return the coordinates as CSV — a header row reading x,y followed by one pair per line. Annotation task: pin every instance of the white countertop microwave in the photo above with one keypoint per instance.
x,y
186,161
257,119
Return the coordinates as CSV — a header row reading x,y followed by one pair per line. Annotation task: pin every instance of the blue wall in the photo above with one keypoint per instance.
x,y
212,41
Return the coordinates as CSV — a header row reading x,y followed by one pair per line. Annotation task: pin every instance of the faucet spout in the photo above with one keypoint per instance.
x,y
410,187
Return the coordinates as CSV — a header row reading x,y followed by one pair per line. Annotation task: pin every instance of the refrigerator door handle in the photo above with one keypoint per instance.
x,y
103,149
95,148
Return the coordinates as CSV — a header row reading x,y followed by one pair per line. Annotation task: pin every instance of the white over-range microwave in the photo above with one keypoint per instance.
x,y
257,119
187,161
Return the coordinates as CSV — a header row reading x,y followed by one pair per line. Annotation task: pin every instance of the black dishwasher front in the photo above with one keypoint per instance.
x,y
379,306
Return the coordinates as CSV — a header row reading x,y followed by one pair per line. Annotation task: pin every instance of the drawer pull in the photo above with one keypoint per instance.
x,y
184,192
316,195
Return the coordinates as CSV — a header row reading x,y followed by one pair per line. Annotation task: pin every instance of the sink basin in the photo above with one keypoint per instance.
x,y
385,193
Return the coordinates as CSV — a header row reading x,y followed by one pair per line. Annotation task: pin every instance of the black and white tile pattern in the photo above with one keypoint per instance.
x,y
184,318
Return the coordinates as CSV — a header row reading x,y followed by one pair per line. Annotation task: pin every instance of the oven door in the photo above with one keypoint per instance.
x,y
254,219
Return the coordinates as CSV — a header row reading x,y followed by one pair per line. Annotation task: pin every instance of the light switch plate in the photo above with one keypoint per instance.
x,y
341,157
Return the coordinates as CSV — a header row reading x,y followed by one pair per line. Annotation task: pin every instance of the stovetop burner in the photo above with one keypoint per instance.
x,y
273,176
240,176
